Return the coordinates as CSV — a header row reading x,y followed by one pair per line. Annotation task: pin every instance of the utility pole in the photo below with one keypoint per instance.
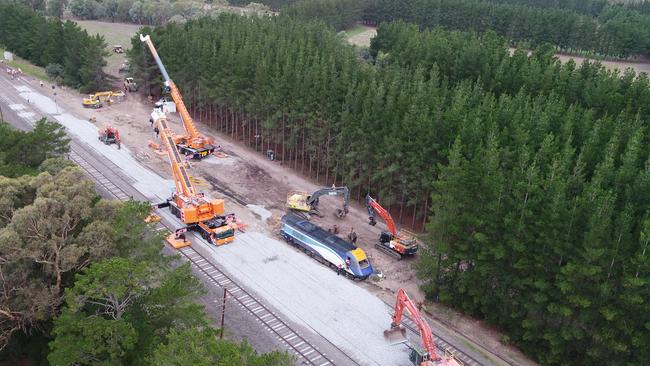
x,y
1,116
223,311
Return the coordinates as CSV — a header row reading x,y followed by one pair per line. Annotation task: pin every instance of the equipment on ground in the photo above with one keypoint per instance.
x,y
118,49
394,243
326,247
193,142
197,211
301,201
109,136
97,100
428,356
130,85
124,67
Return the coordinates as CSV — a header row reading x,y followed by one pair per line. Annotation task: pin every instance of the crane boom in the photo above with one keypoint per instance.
x,y
196,210
193,139
182,180
375,208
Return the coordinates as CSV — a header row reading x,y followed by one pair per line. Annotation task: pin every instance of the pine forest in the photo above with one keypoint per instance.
x,y
532,177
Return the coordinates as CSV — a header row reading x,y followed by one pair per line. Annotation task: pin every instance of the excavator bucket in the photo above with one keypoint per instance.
x,y
395,335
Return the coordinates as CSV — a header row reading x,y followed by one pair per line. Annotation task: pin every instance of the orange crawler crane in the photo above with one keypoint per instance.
x,y
193,142
428,357
198,212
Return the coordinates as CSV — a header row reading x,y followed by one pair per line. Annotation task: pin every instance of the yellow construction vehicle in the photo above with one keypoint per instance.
x,y
304,202
197,211
193,143
96,100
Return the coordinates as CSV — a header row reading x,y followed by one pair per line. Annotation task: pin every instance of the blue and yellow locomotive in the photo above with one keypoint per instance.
x,y
326,247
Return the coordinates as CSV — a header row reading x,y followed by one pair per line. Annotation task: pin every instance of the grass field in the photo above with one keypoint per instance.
x,y
358,29
29,69
360,35
114,33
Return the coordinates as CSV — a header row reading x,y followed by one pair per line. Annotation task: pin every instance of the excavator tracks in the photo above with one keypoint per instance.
x,y
388,251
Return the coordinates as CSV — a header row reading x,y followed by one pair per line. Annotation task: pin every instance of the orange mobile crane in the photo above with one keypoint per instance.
x,y
193,142
198,212
428,357
396,244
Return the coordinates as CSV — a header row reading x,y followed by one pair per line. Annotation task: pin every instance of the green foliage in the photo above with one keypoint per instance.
x,y
55,71
339,14
43,219
22,152
90,340
125,312
109,287
274,4
45,41
535,171
200,347
614,31
138,11
54,165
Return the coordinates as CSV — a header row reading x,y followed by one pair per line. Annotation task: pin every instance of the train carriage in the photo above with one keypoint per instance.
x,y
325,246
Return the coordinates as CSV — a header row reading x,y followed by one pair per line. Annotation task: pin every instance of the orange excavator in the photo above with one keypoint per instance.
x,y
198,212
394,243
193,143
428,356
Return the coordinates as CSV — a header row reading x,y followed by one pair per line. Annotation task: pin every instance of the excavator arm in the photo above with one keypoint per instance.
x,y
182,179
404,302
312,201
193,135
375,208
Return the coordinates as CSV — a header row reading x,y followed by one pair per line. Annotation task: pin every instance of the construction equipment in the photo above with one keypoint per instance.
x,y
130,85
124,67
396,334
109,136
118,48
197,211
193,143
394,243
304,202
96,100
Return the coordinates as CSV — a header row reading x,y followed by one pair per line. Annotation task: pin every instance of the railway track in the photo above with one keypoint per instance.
x,y
306,353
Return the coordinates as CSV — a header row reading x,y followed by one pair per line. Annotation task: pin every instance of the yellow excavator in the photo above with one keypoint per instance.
x,y
193,143
96,100
304,202
196,210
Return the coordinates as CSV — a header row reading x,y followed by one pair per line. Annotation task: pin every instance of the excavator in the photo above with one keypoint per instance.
x,y
394,243
303,202
396,334
193,143
96,100
197,211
